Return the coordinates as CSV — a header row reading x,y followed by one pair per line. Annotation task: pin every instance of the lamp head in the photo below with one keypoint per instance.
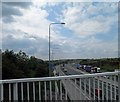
x,y
62,23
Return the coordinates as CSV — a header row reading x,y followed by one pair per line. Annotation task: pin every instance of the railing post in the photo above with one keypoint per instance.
x,y
119,86
1,92
9,92
80,89
94,89
15,92
22,98
61,90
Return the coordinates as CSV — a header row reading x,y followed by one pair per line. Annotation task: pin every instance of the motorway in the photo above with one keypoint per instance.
x,y
111,85
73,90
71,70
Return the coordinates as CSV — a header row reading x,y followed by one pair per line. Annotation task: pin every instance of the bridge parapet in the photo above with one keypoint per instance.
x,y
100,86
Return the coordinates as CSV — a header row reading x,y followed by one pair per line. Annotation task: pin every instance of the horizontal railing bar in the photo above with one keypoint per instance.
x,y
58,77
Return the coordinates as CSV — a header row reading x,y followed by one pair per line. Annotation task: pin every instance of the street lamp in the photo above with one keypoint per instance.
x,y
49,41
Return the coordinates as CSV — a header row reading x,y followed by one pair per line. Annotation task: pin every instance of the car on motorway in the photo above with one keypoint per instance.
x,y
95,70
62,68
88,68
78,66
65,70
83,66
98,91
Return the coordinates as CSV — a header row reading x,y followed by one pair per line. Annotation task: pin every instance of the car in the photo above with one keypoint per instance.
x,y
63,67
88,68
65,70
98,91
95,70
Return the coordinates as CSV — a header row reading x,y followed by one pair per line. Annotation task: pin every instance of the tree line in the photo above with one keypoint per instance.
x,y
106,64
20,65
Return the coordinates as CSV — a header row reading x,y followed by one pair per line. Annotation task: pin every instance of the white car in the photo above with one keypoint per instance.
x,y
65,70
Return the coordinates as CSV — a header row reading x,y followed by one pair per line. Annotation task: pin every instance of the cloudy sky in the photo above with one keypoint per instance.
x,y
90,30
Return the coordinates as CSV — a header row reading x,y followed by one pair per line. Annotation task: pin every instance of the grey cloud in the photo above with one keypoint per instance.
x,y
37,47
10,9
10,42
8,12
19,4
8,19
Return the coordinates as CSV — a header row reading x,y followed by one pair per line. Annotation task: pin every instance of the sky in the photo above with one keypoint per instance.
x,y
90,30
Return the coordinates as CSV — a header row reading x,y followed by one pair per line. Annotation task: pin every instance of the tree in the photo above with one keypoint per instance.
x,y
19,65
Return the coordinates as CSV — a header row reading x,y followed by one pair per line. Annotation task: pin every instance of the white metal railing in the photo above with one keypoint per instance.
x,y
99,86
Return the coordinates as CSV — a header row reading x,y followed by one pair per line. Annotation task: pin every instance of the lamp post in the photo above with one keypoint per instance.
x,y
49,41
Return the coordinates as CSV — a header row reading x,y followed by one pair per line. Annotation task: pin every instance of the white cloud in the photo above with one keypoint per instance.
x,y
31,27
30,31
87,19
45,3
89,48
33,22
